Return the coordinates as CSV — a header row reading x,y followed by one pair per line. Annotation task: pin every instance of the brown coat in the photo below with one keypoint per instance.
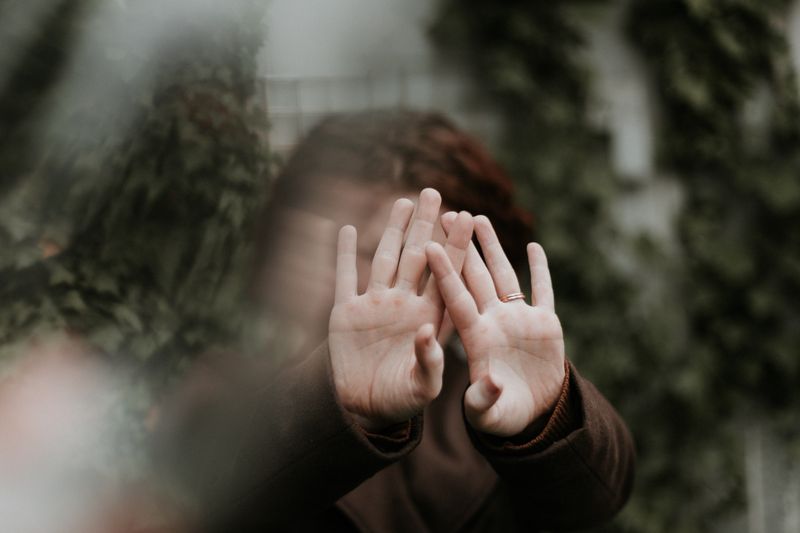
x,y
292,460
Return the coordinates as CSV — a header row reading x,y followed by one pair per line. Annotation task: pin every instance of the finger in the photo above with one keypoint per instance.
x,y
505,279
429,364
346,273
480,401
384,264
447,221
475,273
431,289
541,284
445,329
457,299
458,239
412,262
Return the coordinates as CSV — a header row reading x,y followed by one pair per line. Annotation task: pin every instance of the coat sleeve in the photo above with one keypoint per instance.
x,y
577,472
263,451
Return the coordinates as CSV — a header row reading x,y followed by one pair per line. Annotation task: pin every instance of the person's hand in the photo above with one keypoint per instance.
x,y
515,351
387,365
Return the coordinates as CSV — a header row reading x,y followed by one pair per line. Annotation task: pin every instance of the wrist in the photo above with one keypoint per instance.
x,y
528,407
376,425
545,430
353,407
553,391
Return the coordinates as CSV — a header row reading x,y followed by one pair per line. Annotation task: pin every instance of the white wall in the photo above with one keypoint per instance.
x,y
308,38
322,55
348,55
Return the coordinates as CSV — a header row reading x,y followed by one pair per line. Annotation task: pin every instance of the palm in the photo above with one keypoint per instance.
x,y
522,348
377,332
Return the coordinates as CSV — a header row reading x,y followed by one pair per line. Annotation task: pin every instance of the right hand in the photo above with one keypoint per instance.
x,y
387,364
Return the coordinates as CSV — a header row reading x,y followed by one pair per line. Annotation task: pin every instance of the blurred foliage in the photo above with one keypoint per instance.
x,y
738,228
693,346
132,172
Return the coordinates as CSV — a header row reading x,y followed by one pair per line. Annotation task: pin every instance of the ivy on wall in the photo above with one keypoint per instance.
x,y
739,227
690,368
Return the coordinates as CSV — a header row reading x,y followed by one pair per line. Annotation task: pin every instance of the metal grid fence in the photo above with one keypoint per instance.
x,y
295,104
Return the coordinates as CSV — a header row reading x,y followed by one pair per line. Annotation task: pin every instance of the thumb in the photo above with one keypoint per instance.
x,y
429,364
479,399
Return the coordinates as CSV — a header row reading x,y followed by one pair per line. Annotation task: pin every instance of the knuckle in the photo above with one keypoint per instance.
x,y
413,253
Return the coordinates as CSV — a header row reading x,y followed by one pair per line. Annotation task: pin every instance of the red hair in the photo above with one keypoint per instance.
x,y
411,150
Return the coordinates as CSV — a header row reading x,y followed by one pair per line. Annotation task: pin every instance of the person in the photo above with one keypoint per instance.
x,y
435,403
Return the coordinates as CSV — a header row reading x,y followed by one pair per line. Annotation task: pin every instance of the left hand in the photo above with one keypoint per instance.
x,y
387,365
515,351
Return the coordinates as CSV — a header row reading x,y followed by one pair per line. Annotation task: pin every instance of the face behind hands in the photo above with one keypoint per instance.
x,y
297,282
